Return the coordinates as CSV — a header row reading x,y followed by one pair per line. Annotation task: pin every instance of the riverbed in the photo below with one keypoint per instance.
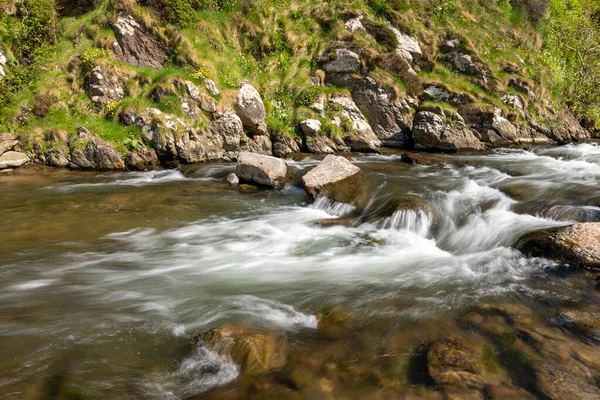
x,y
107,277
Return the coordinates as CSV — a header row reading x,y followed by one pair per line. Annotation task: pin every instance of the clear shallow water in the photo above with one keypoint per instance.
x,y
109,275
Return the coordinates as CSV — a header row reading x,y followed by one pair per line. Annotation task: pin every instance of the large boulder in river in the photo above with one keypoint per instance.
x,y
335,178
261,169
251,109
142,159
431,131
576,245
255,352
136,45
13,159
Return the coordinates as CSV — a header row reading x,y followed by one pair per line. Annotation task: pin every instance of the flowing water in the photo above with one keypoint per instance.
x,y
108,276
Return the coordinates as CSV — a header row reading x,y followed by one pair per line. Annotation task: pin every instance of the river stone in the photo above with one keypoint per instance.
x,y
7,142
451,362
346,61
88,151
13,159
255,352
142,159
136,45
251,109
334,323
584,322
57,154
577,245
335,178
261,169
284,145
233,179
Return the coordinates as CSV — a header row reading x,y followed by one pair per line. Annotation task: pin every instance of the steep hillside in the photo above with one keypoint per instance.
x,y
112,84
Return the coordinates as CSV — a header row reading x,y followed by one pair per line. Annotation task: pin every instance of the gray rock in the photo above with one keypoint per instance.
x,y
284,145
321,144
209,104
319,106
345,61
408,48
432,132
2,64
194,146
104,86
492,128
261,169
159,131
193,91
211,87
354,24
7,142
13,159
521,86
464,63
233,179
251,109
440,94
228,126
362,137
142,159
380,106
450,45
310,127
136,45
57,154
577,245
335,178
513,100
90,152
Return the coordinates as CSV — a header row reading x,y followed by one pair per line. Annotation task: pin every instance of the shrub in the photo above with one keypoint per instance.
x,y
41,105
382,34
536,9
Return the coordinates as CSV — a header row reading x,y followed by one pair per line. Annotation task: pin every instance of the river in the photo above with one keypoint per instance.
x,y
106,277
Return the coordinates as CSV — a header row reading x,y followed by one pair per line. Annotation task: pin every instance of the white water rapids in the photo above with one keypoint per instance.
x,y
119,270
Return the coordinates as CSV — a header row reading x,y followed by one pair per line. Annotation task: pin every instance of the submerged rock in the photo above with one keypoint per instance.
x,y
261,169
335,178
451,362
13,159
255,352
577,245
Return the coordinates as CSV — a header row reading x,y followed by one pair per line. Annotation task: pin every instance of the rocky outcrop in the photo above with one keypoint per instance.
x,y
159,131
439,94
2,64
13,159
513,100
228,126
361,137
105,86
57,153
335,178
211,87
255,352
408,48
142,159
90,152
433,132
251,109
577,245
314,140
354,24
464,64
380,106
284,145
7,142
491,127
343,61
261,169
521,86
136,45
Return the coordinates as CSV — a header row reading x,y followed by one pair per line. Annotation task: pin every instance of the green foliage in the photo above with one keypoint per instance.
x,y
573,48
308,96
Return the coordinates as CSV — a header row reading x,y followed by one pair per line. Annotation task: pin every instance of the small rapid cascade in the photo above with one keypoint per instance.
x,y
334,208
146,261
